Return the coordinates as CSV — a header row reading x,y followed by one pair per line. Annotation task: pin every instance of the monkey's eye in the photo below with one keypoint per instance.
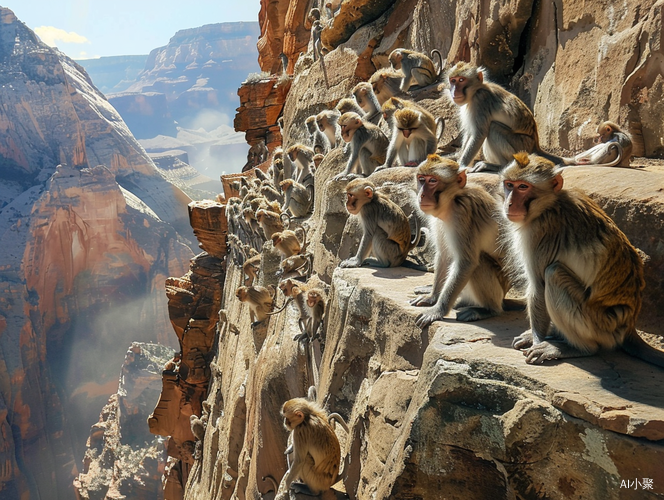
x,y
433,181
421,179
509,186
523,187
461,80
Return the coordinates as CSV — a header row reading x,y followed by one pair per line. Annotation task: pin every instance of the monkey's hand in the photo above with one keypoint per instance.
x,y
352,262
539,353
425,301
523,341
429,316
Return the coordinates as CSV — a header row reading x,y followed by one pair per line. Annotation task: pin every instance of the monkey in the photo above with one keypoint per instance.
x,y
299,264
415,66
260,300
319,141
368,144
197,427
327,121
316,449
290,170
288,243
270,193
302,156
251,264
585,279
613,149
492,119
366,99
393,104
298,199
347,105
316,29
386,83
413,137
315,303
385,228
270,222
318,159
260,175
468,230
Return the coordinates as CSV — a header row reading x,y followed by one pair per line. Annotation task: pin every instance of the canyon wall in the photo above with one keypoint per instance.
x,y
91,231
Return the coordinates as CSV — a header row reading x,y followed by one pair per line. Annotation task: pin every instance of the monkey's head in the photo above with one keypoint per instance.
x,y
530,183
349,123
241,293
408,120
438,179
294,412
292,152
346,105
313,298
286,184
310,122
314,14
318,159
464,79
605,132
360,92
359,192
395,58
276,238
286,286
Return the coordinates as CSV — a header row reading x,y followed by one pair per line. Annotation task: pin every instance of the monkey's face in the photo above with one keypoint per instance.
x,y
292,419
458,89
395,59
604,133
241,293
430,187
347,132
357,198
312,299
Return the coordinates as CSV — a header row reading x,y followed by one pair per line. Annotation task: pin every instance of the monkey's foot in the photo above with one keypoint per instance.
x,y
538,354
426,301
352,262
468,314
523,341
423,290
432,314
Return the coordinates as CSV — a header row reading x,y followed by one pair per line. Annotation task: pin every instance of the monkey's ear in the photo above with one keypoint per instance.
x,y
480,76
462,178
557,183
369,192
522,158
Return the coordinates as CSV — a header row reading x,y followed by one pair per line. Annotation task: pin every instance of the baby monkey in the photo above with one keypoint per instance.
x,y
385,227
614,148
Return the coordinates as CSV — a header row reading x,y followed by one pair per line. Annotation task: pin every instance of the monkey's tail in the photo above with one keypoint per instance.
x,y
270,479
440,127
286,302
440,59
335,417
639,348
418,233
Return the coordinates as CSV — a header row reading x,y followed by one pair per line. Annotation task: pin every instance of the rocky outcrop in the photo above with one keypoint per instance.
x,y
194,303
91,230
122,459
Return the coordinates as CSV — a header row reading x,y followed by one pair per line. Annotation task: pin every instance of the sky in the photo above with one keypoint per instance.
x,y
85,29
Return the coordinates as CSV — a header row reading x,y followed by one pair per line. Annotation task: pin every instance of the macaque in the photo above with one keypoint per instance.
x,y
288,243
368,145
614,148
316,29
366,99
415,66
298,264
385,228
270,222
585,279
386,83
260,300
319,141
277,167
492,119
316,450
413,137
315,306
346,105
251,264
270,193
303,157
327,121
197,427
468,232
298,198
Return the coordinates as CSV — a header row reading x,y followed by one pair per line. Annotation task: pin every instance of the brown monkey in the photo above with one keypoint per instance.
x,y
197,427
386,83
385,228
251,264
277,167
347,105
260,300
368,144
492,119
468,230
327,121
299,264
316,309
366,99
303,157
415,66
413,137
270,222
298,198
319,141
289,243
316,450
584,277
614,148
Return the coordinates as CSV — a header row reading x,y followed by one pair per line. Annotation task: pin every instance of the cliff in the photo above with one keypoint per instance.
x,y
91,230
450,411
